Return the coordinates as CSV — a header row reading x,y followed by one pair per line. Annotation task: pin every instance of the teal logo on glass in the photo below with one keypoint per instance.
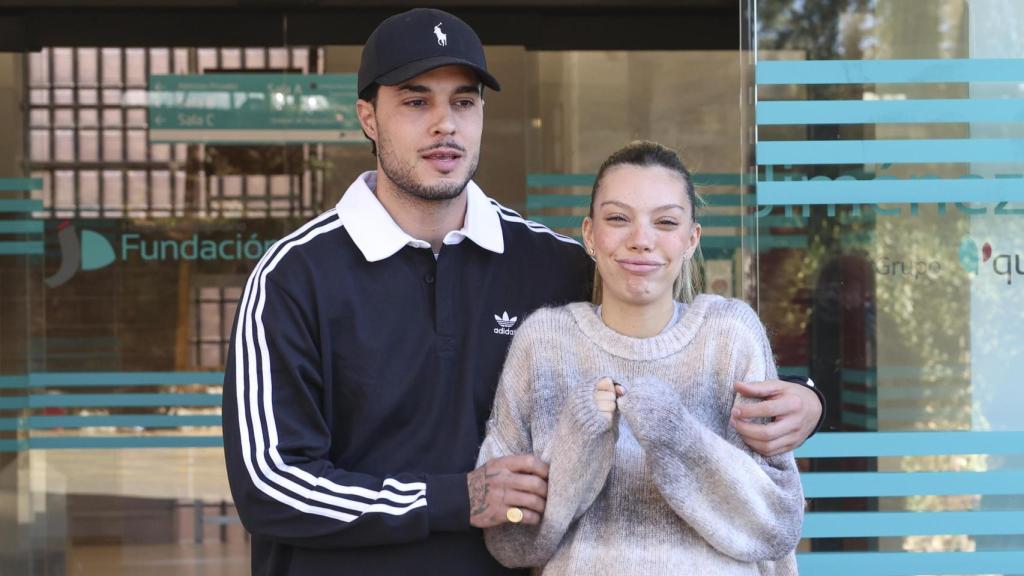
x,y
970,258
90,251
1007,265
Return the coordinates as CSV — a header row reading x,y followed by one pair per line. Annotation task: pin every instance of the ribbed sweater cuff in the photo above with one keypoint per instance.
x,y
447,502
584,410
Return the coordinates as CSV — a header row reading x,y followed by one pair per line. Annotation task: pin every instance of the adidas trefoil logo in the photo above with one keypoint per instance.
x,y
505,324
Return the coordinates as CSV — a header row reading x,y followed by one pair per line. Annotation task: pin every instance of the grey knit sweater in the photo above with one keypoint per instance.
x,y
667,487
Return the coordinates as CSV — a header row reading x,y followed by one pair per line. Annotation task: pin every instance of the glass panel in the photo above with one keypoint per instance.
x,y
63,71
884,149
39,68
64,96
230,58
89,192
65,145
137,145
39,118
113,97
111,62
112,145
88,145
137,117
113,191
87,61
135,62
88,96
207,59
64,117
159,61
279,59
88,118
255,58
39,96
40,146
181,57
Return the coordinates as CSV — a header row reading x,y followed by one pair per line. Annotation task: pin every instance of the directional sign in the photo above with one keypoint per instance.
x,y
253,108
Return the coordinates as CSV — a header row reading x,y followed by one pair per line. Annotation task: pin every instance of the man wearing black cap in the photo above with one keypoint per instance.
x,y
368,343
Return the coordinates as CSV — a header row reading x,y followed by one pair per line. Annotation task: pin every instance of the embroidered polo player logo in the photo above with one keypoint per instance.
x,y
442,38
505,324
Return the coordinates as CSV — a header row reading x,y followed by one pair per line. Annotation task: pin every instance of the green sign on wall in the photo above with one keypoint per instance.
x,y
253,108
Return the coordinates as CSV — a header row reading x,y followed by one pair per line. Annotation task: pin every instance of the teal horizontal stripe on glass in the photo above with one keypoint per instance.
x,y
20,248
858,398
82,342
762,242
794,371
122,420
20,184
810,152
541,180
936,391
720,221
909,563
708,221
41,354
558,221
21,227
47,379
13,445
857,444
888,111
877,524
538,201
109,442
19,381
720,200
20,205
889,71
121,400
859,376
541,201
12,423
865,484
892,191
13,402
712,179
569,180
918,372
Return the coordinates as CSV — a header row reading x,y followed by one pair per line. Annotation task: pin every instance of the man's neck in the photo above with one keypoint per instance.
x,y
427,220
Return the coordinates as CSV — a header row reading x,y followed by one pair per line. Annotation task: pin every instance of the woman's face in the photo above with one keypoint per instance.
x,y
641,232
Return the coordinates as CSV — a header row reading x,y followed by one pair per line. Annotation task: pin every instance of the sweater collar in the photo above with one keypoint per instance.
x,y
378,236
656,347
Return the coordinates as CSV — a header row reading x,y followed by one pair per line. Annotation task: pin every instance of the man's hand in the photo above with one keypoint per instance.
x,y
793,409
502,483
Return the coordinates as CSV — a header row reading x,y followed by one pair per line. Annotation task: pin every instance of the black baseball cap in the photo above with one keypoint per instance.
x,y
408,44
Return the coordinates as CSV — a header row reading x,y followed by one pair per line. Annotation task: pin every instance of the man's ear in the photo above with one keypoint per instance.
x,y
367,113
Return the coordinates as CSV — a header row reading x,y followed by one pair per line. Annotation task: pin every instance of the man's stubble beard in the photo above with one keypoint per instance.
x,y
402,175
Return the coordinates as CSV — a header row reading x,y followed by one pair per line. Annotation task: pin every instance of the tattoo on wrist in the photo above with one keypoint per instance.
x,y
478,492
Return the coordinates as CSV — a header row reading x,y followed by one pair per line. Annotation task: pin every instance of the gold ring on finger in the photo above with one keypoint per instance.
x,y
514,515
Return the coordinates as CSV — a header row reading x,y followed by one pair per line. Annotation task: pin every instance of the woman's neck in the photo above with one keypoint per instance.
x,y
637,320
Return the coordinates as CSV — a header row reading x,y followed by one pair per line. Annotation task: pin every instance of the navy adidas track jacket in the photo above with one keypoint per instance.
x,y
361,374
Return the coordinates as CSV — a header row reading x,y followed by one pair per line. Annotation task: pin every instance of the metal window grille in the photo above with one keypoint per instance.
x,y
213,312
87,138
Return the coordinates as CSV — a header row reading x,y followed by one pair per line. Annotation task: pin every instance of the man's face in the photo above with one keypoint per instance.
x,y
427,132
